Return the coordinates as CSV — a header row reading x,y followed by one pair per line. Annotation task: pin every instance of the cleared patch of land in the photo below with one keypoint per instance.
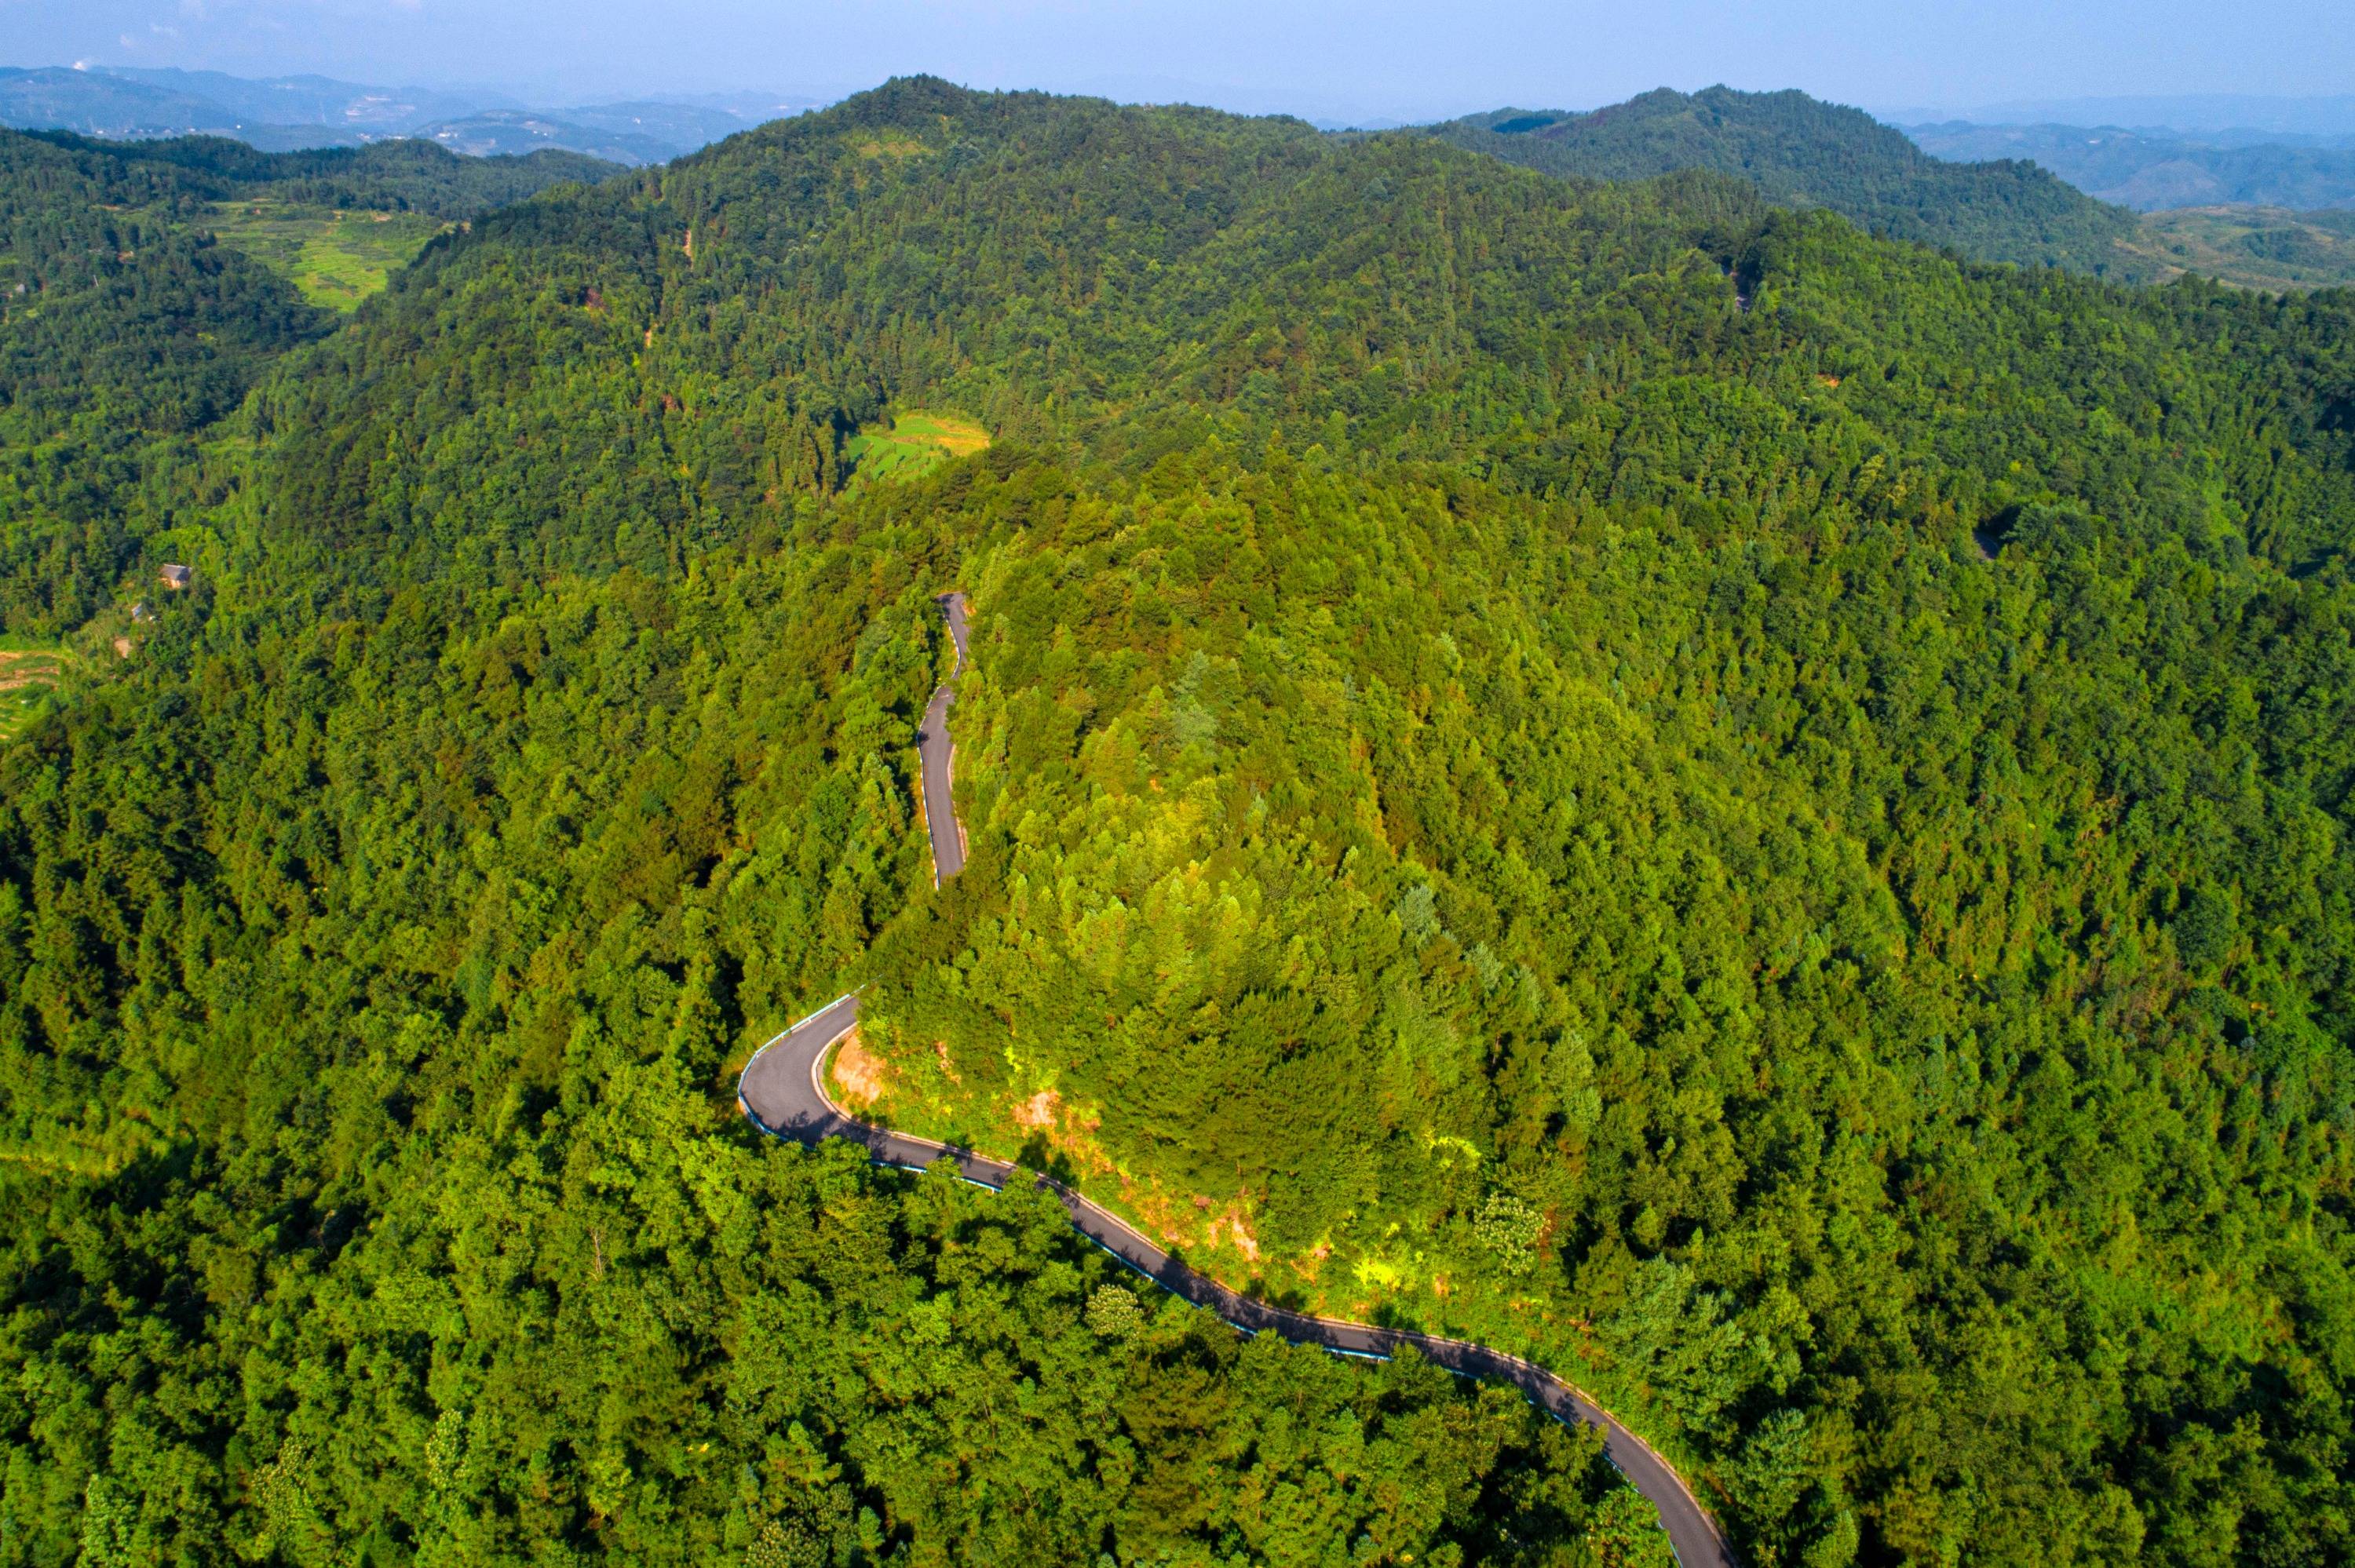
x,y
336,259
859,1077
889,144
916,442
2254,246
28,672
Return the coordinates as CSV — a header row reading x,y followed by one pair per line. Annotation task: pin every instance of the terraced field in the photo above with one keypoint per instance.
x,y
28,672
914,443
336,259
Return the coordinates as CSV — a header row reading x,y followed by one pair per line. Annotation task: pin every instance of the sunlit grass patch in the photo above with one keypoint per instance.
x,y
914,443
889,144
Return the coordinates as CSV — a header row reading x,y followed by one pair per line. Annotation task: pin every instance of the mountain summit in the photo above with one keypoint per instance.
x,y
1798,151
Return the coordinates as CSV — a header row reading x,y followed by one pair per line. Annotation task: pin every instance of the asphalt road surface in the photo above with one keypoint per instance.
x,y
784,1093
940,756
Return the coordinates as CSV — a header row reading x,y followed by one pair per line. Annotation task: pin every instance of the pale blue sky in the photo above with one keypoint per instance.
x,y
1407,59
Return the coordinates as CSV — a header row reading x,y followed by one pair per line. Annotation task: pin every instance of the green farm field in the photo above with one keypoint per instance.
x,y
914,443
29,671
336,259
2254,246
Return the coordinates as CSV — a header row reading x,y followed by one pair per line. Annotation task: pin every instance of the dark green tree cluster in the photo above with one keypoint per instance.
x,y
455,1250
1801,151
1756,812
403,174
615,1334
114,304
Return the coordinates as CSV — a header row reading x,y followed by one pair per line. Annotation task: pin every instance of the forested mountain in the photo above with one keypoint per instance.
x,y
1800,151
405,175
1754,812
126,328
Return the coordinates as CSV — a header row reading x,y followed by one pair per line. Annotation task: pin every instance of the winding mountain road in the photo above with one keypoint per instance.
x,y
940,757
782,1091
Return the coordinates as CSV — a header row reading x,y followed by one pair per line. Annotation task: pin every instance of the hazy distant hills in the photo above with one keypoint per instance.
x,y
496,132
307,102
288,114
1801,151
681,126
2205,115
2152,170
53,98
280,114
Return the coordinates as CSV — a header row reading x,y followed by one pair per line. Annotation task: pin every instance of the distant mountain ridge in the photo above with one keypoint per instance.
x,y
310,101
298,112
2203,114
1800,151
56,97
399,175
2153,170
505,132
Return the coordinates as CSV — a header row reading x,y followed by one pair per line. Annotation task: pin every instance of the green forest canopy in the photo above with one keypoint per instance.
x,y
1972,194
1752,811
127,327
1800,151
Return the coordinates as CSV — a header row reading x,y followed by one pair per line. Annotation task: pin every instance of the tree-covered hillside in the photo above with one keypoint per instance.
x,y
127,329
402,176
1754,812
1803,152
